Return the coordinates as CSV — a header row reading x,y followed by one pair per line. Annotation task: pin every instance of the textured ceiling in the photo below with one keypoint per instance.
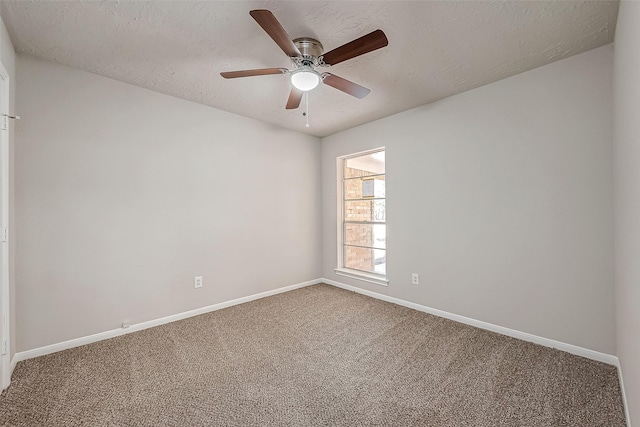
x,y
436,49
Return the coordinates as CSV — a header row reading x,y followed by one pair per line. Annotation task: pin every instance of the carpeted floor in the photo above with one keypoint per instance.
x,y
317,356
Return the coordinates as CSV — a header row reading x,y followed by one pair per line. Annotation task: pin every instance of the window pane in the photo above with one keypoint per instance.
x,y
373,187
364,210
365,259
363,231
369,164
371,235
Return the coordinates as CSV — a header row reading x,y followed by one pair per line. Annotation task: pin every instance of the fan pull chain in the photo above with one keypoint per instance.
x,y
307,107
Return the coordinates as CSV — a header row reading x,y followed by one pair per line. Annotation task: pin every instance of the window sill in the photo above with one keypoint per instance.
x,y
361,275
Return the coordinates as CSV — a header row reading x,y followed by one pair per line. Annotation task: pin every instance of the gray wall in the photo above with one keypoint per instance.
x,y
627,199
501,199
124,195
8,58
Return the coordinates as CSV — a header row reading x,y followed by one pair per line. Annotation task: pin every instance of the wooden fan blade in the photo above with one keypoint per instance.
x,y
345,85
250,73
364,44
294,99
270,24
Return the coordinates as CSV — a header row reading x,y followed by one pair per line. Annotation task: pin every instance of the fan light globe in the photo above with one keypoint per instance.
x,y
305,79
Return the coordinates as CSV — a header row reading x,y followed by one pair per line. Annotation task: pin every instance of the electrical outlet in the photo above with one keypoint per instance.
x,y
197,282
415,279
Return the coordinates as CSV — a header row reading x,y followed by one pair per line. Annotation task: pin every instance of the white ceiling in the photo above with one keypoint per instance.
x,y
436,49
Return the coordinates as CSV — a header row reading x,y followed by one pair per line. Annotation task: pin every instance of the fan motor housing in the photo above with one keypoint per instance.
x,y
308,46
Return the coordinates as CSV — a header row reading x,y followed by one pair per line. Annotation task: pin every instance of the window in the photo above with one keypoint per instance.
x,y
362,229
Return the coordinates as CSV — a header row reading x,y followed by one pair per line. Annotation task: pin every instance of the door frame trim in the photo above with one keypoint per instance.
x,y
5,306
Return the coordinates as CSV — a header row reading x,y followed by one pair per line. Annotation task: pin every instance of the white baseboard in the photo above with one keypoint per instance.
x,y
569,348
53,348
624,396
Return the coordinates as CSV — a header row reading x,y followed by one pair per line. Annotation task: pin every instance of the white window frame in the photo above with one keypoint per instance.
x,y
341,270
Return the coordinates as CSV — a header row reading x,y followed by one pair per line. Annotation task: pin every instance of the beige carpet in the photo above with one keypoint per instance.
x,y
317,356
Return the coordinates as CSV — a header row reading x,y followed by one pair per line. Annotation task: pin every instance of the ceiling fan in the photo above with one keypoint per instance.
x,y
307,55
